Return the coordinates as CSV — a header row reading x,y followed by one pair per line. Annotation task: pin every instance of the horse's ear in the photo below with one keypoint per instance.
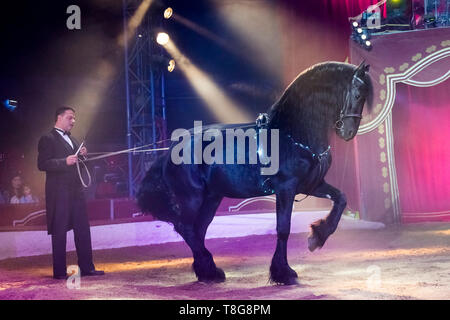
x,y
362,68
366,67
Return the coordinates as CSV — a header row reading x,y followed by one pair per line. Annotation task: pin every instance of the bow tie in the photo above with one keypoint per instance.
x,y
67,133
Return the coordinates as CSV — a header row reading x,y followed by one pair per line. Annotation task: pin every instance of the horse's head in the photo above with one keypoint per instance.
x,y
358,92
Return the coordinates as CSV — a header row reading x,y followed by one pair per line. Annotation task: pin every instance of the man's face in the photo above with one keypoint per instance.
x,y
66,121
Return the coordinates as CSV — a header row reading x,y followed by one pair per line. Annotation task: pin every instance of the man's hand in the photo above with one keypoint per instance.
x,y
71,160
83,151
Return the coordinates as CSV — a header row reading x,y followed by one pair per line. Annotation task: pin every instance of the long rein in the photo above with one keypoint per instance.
x,y
102,155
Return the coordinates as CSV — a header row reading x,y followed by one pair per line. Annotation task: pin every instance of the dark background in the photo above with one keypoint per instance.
x,y
43,64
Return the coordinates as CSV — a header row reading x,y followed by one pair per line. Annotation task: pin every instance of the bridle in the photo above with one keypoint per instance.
x,y
339,124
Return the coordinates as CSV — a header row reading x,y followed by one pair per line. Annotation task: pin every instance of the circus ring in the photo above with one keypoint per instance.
x,y
361,260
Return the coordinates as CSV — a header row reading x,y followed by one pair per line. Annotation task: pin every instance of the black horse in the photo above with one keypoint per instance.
x,y
325,98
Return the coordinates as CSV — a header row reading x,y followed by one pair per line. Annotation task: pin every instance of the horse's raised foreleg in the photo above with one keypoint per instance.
x,y
323,228
280,271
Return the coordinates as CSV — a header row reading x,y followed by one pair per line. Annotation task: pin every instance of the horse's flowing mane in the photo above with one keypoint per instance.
x,y
312,102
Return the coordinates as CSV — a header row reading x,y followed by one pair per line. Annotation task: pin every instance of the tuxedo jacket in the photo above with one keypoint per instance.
x,y
62,183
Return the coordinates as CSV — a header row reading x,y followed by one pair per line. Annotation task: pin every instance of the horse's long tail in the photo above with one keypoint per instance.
x,y
155,196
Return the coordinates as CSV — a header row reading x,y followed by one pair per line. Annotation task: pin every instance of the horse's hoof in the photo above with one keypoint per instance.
x,y
292,273
218,277
291,282
285,277
314,242
211,280
317,236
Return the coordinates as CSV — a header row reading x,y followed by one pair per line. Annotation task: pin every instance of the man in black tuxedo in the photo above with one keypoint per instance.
x,y
65,202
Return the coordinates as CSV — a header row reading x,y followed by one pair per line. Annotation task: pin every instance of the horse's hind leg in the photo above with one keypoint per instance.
x,y
323,228
280,271
206,215
194,234
205,266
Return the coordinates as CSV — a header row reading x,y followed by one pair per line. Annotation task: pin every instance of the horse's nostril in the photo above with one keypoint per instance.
x,y
350,133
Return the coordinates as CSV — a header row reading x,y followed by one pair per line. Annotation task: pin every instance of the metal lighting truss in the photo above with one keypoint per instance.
x,y
144,81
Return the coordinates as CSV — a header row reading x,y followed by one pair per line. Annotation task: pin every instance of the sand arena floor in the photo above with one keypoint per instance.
x,y
406,262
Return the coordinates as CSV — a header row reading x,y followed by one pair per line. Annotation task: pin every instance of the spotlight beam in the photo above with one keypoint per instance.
x,y
223,108
206,33
135,21
89,95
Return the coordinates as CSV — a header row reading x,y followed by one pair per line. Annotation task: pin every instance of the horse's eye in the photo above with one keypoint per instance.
x,y
357,96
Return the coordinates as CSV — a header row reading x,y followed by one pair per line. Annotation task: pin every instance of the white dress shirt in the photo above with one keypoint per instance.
x,y
65,136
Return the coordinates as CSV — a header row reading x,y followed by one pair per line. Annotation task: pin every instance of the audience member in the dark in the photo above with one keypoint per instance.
x,y
15,191
28,197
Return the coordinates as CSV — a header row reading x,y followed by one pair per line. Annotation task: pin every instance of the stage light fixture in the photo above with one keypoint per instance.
x,y
162,38
361,35
395,2
171,65
168,13
163,62
10,104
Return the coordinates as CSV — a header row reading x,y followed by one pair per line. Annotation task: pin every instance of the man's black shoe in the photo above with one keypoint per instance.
x,y
61,277
92,273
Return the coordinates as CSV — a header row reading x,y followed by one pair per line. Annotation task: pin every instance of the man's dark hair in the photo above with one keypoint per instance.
x,y
61,110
